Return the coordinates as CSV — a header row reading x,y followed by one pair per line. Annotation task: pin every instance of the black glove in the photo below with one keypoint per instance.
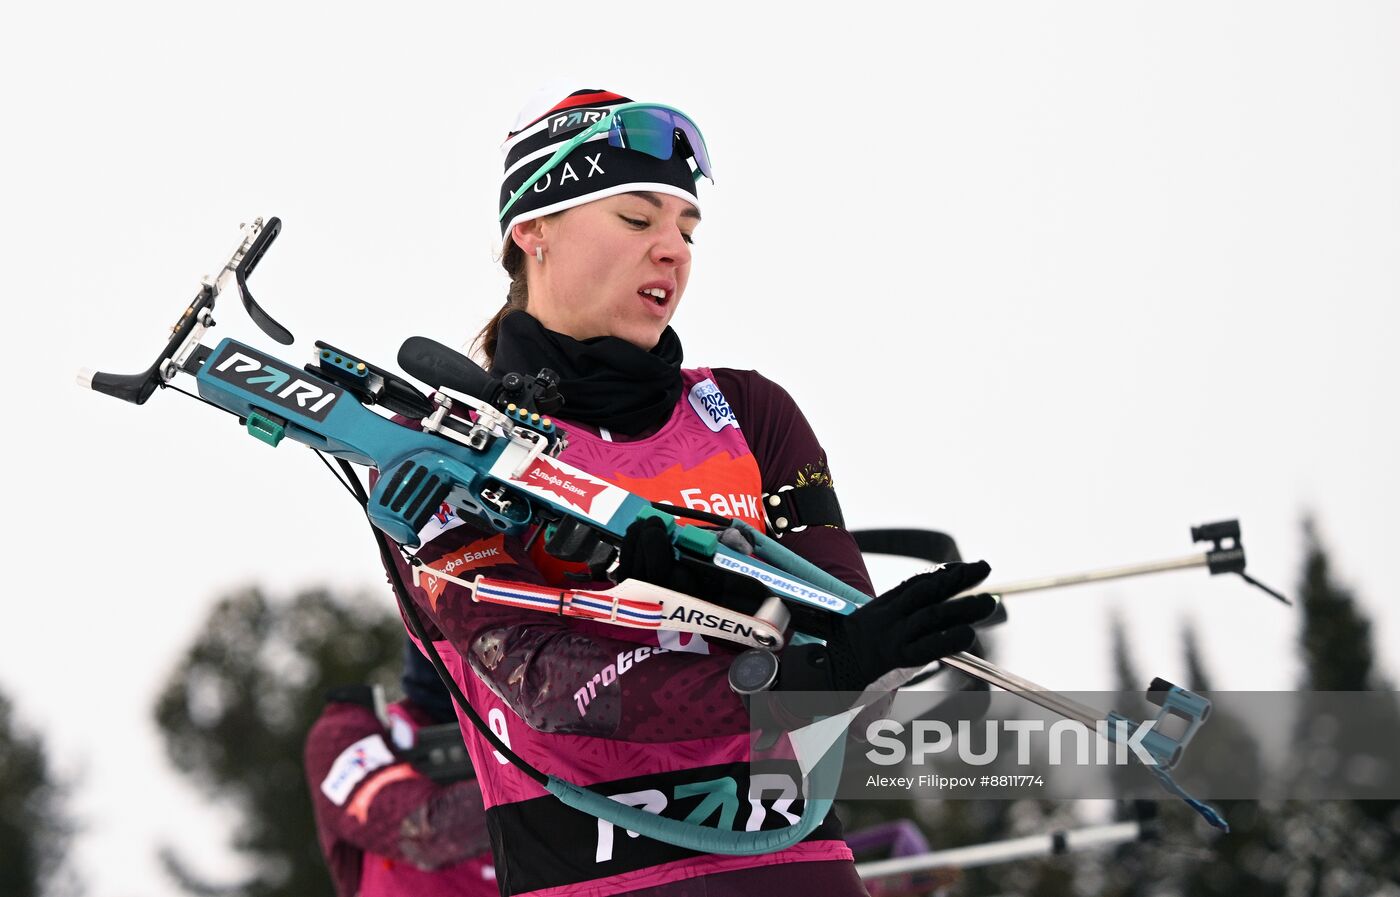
x,y
913,624
646,553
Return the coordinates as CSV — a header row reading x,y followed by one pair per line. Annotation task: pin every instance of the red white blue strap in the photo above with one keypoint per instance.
x,y
596,606
517,594
641,605
569,603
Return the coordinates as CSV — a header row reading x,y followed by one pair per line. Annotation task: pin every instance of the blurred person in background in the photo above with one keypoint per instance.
x,y
398,809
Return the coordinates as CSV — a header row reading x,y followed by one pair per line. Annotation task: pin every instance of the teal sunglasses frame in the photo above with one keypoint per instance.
x,y
610,121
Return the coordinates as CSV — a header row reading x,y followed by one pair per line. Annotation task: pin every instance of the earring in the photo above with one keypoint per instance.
x,y
539,254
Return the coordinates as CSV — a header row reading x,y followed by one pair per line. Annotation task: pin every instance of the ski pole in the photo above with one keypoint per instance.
x,y
1225,556
1054,843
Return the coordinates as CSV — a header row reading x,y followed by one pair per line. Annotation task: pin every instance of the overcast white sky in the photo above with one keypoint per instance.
x,y
1063,280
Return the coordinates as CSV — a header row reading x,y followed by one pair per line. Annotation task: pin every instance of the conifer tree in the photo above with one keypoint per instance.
x,y
34,825
1340,847
235,713
1130,870
1248,861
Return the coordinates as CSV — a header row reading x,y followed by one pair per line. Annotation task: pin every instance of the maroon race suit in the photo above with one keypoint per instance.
x,y
385,829
648,720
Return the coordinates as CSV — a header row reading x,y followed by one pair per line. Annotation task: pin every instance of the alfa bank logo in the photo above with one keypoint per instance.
x,y
572,489
482,553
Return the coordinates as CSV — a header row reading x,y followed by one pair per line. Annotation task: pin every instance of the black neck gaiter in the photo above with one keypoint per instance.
x,y
605,381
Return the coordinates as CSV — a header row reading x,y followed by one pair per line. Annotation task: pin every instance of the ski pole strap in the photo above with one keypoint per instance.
x,y
1209,813
1179,704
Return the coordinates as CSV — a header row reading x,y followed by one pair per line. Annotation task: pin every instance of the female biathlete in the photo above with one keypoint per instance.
x,y
597,243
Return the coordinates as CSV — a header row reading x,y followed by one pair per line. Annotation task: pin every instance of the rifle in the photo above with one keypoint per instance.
x,y
487,448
